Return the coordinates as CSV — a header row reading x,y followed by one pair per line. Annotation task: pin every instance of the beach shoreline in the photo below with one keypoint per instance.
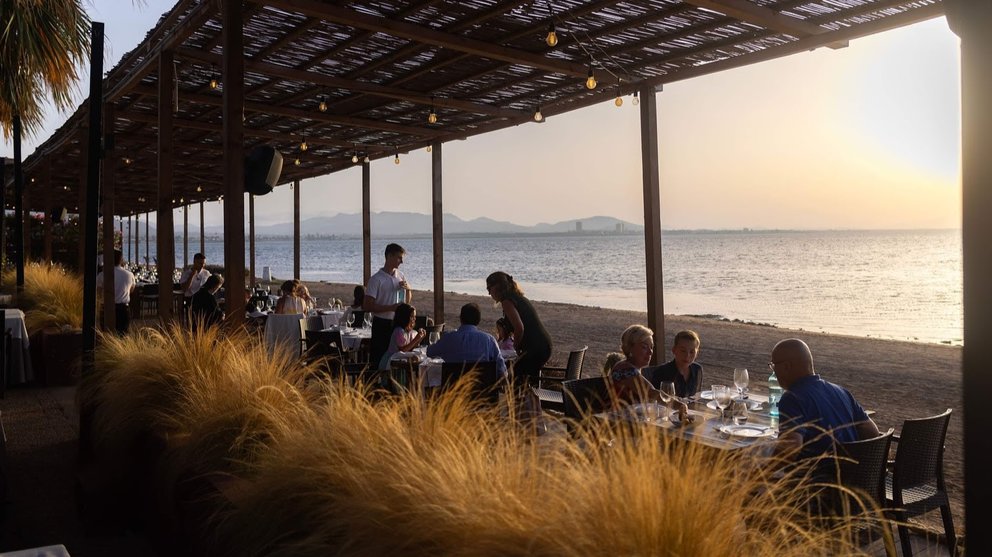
x,y
897,379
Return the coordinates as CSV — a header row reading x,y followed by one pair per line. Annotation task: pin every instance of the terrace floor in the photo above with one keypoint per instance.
x,y
42,428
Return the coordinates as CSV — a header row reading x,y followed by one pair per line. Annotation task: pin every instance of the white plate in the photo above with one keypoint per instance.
x,y
706,395
745,430
751,405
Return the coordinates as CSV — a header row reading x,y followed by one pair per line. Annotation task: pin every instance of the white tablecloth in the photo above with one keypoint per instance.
x,y
430,368
20,357
331,317
351,339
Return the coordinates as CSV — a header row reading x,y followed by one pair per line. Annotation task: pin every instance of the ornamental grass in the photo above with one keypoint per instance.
x,y
52,296
320,467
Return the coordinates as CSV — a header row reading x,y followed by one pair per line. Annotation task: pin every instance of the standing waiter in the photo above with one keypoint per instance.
x,y
123,287
386,290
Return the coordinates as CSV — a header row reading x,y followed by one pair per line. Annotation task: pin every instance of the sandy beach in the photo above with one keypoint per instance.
x,y
898,380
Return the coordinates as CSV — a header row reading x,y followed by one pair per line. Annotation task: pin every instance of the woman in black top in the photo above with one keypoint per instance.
x,y
532,341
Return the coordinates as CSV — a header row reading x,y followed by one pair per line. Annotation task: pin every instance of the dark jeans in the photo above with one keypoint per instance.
x,y
527,367
122,318
381,329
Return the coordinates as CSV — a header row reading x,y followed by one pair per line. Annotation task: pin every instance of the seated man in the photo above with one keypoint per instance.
x,y
815,414
468,343
203,306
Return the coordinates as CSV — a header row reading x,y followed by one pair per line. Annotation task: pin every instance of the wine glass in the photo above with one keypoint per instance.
x,y
668,388
368,320
433,337
740,381
722,397
351,319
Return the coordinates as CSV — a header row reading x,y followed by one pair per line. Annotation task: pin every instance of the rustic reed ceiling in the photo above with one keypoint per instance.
x,y
381,65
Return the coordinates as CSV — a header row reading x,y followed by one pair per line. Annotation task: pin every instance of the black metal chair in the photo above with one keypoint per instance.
x,y
486,379
552,399
584,397
915,484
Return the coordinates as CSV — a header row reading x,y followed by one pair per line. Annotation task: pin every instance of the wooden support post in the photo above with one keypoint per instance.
x,y
18,206
203,245
234,181
185,235
92,195
652,217
165,233
251,239
148,244
366,222
81,202
437,213
109,185
46,246
3,212
26,216
971,20
296,230
137,239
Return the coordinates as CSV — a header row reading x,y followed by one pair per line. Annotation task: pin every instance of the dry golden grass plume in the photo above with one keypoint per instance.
x,y
442,478
52,296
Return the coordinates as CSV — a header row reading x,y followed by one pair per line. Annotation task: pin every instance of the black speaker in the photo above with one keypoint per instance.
x,y
262,169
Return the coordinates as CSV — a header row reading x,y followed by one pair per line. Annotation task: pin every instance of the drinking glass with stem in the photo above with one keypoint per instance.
x,y
741,381
721,395
368,320
433,337
668,388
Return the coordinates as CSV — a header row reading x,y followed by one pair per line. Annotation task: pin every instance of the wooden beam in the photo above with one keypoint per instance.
x,y
109,185
402,29
203,245
185,236
234,180
366,222
296,229
47,242
437,214
164,234
81,207
652,218
251,239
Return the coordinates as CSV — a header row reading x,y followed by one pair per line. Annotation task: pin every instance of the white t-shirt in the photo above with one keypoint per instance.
x,y
123,283
383,287
195,284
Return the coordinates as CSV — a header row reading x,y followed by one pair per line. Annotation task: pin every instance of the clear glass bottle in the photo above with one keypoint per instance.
x,y
774,394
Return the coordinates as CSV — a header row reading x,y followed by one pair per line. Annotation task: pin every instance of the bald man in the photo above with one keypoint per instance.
x,y
814,413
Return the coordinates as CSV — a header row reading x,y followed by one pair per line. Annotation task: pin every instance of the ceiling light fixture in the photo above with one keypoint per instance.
x,y
619,99
432,115
322,105
214,82
303,144
429,149
552,38
396,160
538,117
366,159
590,80
636,101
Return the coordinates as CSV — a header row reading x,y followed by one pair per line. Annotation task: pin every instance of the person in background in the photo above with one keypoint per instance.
x,y
203,307
468,343
359,297
637,345
815,415
504,334
386,290
304,294
403,338
123,288
290,302
193,278
612,359
682,369
531,340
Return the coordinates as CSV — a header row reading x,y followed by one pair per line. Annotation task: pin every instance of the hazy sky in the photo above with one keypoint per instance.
x,y
862,137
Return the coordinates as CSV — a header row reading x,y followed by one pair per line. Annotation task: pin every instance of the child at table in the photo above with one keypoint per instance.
x,y
504,334
403,337
682,369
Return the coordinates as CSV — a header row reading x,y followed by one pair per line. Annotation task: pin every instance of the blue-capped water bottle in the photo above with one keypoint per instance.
x,y
774,394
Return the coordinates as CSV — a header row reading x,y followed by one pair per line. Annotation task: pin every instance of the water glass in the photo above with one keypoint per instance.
x,y
433,337
668,388
741,381
722,397
739,412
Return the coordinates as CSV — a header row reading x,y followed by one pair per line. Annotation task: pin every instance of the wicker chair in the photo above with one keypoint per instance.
x,y
915,484
551,399
583,397
486,382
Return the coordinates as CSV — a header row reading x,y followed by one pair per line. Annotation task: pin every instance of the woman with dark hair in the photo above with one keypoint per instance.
x,y
359,297
531,340
403,337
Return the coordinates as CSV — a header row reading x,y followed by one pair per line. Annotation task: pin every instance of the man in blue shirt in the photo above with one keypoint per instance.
x,y
815,414
468,343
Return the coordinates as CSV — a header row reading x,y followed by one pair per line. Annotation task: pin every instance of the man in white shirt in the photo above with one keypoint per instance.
x,y
386,290
193,278
123,287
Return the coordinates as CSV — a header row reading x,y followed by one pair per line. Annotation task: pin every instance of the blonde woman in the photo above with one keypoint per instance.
x,y
637,345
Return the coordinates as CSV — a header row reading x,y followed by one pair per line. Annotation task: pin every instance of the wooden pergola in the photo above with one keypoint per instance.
x,y
359,80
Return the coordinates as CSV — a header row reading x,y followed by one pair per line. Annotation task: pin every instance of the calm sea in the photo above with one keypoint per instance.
x,y
892,284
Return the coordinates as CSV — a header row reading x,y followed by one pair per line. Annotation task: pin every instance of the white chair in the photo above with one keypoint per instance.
x,y
287,331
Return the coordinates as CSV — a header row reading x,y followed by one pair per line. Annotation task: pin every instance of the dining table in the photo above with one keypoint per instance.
x,y
707,425
427,369
324,319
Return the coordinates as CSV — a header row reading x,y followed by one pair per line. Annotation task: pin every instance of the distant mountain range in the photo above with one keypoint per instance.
x,y
405,224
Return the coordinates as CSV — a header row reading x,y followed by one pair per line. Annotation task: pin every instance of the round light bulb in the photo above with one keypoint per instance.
x,y
429,149
552,38
297,161
214,84
322,106
303,145
199,189
591,81
396,160
354,158
636,100
366,159
432,117
538,116
618,101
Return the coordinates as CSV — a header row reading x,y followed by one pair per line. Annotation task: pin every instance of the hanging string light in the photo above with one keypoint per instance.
x,y
396,160
354,158
432,115
619,99
366,159
214,82
127,160
636,101
552,38
303,144
537,115
296,161
322,105
429,149
590,80
199,189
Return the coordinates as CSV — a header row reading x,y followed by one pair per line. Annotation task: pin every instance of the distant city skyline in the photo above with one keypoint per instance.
x,y
857,138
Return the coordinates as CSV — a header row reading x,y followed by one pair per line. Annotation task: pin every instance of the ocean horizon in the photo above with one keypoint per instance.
x,y
894,284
